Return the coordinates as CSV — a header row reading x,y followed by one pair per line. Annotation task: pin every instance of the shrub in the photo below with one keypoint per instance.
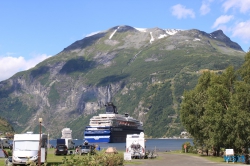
x,y
100,159
188,147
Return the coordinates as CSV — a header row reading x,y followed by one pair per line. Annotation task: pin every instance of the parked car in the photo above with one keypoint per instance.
x,y
61,149
8,161
85,149
4,143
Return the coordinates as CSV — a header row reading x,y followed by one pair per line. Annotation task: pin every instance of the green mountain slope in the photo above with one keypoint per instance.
x,y
5,128
143,72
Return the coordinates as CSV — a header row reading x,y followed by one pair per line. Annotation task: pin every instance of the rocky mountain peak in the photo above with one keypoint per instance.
x,y
219,35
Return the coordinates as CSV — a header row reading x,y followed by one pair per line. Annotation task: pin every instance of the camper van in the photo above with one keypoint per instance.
x,y
68,142
135,145
26,148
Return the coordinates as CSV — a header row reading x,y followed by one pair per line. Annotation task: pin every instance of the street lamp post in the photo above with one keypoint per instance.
x,y
48,142
39,152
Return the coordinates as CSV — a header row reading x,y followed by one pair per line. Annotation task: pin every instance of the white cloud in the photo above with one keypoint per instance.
x,y
243,5
10,65
181,11
222,20
205,7
242,30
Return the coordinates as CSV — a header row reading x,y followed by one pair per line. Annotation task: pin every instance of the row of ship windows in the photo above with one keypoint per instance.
x,y
121,123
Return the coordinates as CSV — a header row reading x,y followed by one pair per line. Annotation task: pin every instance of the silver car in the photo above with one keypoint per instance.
x,y
85,149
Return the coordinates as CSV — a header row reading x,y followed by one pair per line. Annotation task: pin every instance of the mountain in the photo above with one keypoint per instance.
x,y
143,71
5,128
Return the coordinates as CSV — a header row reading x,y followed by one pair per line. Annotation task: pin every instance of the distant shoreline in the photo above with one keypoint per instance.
x,y
168,138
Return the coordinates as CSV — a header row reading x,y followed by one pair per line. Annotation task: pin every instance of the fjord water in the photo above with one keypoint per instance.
x,y
161,145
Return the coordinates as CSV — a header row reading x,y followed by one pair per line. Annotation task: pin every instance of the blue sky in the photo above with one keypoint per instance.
x,y
31,31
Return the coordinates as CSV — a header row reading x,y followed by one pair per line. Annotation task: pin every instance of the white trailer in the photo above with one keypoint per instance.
x,y
135,145
26,148
66,141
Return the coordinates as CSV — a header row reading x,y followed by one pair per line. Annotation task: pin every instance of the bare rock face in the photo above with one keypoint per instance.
x,y
71,100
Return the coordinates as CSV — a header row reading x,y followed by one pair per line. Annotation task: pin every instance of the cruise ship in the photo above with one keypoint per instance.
x,y
111,127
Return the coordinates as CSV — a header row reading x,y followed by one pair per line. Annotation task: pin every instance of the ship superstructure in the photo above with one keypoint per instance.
x,y
111,127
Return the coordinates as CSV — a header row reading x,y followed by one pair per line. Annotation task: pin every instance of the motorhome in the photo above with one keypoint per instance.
x,y
26,148
135,145
68,142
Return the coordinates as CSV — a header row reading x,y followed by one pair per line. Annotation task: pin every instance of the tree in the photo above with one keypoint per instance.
x,y
193,109
240,110
238,118
216,107
216,112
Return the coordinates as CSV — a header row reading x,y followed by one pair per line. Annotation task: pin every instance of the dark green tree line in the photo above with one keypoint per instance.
x,y
217,111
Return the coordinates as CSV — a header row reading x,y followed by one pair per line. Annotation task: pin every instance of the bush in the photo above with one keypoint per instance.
x,y
189,148
9,152
100,159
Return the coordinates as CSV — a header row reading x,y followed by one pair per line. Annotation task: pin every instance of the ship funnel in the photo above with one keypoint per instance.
x,y
111,108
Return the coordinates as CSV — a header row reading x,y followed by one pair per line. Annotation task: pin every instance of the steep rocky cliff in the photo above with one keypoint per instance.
x,y
143,71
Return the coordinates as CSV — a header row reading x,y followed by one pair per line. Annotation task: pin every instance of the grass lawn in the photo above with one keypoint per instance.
x,y
53,160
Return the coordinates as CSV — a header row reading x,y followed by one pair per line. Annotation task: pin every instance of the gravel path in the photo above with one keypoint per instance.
x,y
178,160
